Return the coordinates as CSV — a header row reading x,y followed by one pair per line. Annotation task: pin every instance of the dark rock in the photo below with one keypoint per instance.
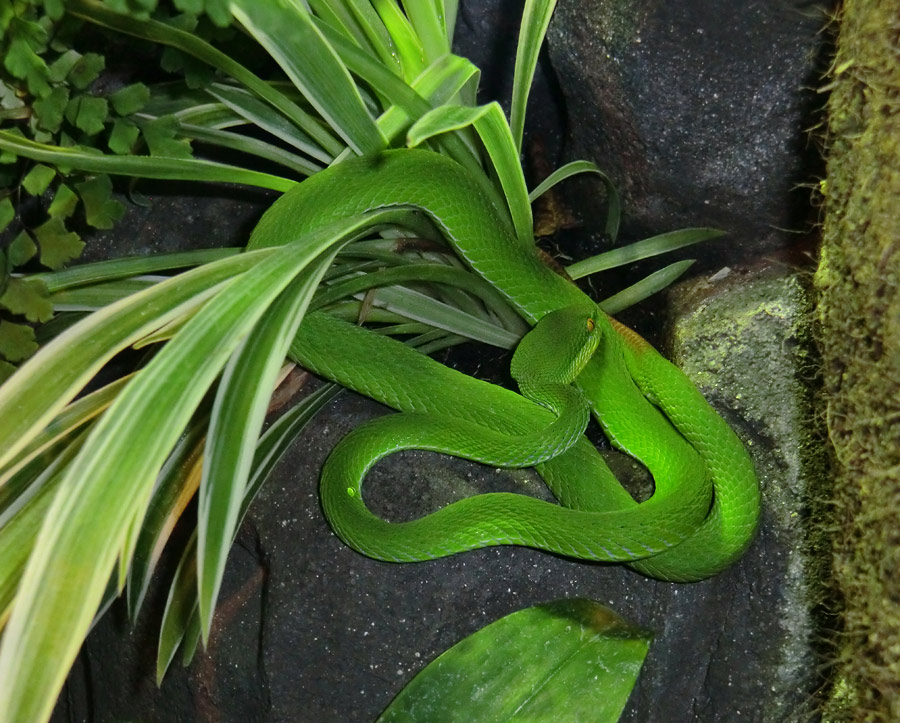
x,y
699,111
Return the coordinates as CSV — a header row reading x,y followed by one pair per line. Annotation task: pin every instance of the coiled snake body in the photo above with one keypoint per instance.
x,y
705,508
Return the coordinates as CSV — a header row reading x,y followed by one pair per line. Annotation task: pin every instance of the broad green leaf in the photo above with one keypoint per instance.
x,y
50,109
570,660
60,67
653,246
123,136
160,135
16,341
22,62
6,370
187,42
192,7
535,20
649,285
184,169
54,9
130,99
88,113
22,249
58,245
7,214
286,30
494,131
64,203
86,70
100,209
28,298
37,179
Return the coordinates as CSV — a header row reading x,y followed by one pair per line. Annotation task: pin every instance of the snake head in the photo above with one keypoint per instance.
x,y
559,346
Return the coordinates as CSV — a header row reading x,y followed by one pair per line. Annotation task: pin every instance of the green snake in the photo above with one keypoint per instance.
x,y
706,503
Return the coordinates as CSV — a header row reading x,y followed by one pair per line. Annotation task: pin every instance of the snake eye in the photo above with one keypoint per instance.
x,y
590,324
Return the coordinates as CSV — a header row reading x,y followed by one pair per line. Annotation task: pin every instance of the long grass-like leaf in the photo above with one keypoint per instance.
x,y
268,118
109,483
181,621
251,146
447,11
178,481
535,20
121,268
53,376
381,40
410,52
649,285
20,528
66,422
494,131
179,169
613,201
338,16
181,607
279,436
237,418
438,85
286,30
653,246
96,296
426,19
419,307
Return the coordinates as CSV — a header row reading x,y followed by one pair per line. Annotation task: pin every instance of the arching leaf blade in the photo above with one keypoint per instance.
x,y
613,200
649,285
645,249
535,20
237,418
490,123
179,169
286,30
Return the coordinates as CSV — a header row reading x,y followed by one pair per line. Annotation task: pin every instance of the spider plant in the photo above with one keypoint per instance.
x,y
91,485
